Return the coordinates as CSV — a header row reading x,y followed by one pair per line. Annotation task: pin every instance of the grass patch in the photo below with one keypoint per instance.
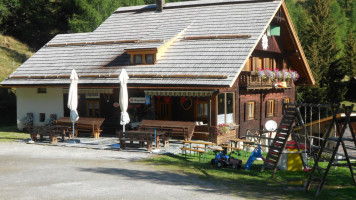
x,y
12,54
254,184
10,134
348,103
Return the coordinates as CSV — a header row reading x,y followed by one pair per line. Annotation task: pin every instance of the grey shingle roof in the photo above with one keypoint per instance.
x,y
200,57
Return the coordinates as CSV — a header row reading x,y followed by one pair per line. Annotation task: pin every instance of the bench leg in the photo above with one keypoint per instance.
x,y
122,144
165,143
149,145
33,137
54,140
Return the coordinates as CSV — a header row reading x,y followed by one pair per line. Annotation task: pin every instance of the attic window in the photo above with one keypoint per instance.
x,y
149,58
142,56
137,59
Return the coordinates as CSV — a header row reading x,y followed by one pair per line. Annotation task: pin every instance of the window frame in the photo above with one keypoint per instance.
x,y
202,117
153,58
250,110
134,59
225,107
270,108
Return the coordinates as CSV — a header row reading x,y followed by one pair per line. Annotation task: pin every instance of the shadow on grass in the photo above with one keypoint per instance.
x,y
256,184
18,57
204,177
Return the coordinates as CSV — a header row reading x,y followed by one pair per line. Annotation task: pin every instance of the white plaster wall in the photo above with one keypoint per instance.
x,y
29,101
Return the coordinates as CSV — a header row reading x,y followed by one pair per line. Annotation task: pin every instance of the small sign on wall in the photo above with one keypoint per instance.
x,y
137,100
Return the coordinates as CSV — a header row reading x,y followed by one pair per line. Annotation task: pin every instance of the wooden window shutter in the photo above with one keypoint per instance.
x,y
257,110
266,109
246,111
275,108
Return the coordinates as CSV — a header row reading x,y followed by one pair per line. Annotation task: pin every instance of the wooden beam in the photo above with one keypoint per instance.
x,y
197,76
216,37
103,42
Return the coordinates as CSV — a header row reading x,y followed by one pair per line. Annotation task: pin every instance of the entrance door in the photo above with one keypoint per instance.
x,y
164,110
93,108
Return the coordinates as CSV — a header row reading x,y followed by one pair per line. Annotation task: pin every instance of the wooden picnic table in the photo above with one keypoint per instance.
x,y
137,136
206,144
237,140
84,124
177,128
52,131
165,139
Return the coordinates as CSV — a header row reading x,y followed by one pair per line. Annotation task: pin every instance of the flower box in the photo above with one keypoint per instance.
x,y
221,138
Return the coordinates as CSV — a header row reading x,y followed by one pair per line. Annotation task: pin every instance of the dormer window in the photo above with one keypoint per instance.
x,y
149,58
142,56
137,59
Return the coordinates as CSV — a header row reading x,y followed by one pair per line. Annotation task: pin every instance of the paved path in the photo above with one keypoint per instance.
x,y
29,171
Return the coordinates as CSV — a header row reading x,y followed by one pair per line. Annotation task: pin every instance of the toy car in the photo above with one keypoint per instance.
x,y
223,160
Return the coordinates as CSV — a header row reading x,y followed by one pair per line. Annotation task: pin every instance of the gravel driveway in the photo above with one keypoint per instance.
x,y
30,171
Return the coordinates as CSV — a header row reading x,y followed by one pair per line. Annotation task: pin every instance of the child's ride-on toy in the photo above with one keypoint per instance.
x,y
223,160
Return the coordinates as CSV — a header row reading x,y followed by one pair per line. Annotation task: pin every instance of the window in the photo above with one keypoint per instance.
x,y
250,110
138,59
41,90
142,56
93,108
225,108
149,58
285,101
271,108
202,110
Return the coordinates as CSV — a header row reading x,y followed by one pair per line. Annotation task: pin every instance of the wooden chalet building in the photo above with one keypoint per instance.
x,y
187,61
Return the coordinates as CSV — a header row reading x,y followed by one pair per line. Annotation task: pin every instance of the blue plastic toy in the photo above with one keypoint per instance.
x,y
256,153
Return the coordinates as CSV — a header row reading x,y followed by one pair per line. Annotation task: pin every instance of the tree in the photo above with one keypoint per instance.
x,y
322,54
339,16
349,58
91,14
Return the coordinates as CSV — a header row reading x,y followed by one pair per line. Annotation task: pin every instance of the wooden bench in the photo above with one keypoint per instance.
x,y
178,129
85,125
138,136
46,131
185,149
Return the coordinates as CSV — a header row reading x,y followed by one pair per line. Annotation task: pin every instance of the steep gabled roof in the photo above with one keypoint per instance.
x,y
99,56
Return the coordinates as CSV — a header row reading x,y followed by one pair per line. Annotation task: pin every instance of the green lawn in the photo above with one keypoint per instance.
x,y
254,184
348,103
10,133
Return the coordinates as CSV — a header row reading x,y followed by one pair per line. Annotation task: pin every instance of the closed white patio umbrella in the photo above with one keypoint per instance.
x,y
124,98
73,98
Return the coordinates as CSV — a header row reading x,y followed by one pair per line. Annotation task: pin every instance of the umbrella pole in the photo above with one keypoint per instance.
x,y
73,133
123,128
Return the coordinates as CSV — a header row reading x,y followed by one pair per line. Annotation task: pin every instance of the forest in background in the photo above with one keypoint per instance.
x,y
326,29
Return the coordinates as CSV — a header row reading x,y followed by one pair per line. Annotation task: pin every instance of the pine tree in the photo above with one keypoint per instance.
x,y
322,52
349,58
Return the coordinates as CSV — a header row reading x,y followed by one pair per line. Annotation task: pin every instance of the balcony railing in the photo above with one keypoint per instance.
x,y
253,82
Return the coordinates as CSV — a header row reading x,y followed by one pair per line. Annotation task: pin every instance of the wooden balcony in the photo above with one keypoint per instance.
x,y
253,82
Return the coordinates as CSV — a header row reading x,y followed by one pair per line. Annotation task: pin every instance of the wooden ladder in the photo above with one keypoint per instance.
x,y
279,143
340,140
